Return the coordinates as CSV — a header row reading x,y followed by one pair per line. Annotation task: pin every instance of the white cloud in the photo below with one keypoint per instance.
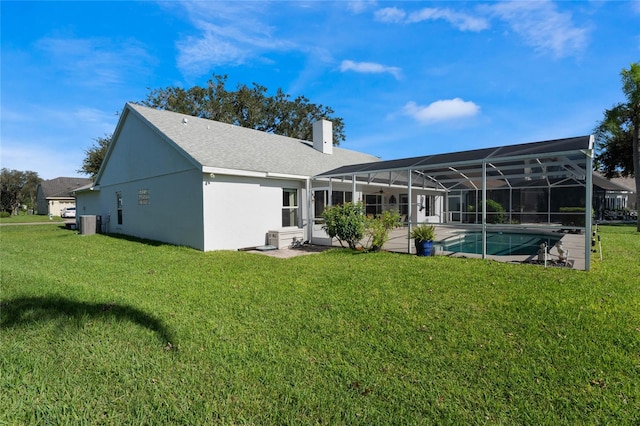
x,y
442,110
462,21
541,26
237,36
94,61
360,6
369,68
390,14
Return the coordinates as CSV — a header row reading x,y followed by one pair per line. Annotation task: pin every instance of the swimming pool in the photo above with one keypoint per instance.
x,y
498,243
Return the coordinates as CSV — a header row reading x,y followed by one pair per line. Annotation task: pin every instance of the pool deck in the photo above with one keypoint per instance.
x,y
574,243
399,242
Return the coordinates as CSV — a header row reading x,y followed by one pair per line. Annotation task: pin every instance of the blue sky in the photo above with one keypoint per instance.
x,y
408,78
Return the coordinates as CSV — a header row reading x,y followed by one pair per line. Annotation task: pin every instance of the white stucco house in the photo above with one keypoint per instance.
x,y
195,182
213,186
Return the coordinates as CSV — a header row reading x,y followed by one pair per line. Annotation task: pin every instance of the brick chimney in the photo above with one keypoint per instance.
x,y
323,136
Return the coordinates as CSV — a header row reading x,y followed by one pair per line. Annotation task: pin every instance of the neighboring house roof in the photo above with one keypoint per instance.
x,y
608,184
627,182
61,187
212,144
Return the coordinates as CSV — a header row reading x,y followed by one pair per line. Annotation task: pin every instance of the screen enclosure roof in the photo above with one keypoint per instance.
x,y
560,162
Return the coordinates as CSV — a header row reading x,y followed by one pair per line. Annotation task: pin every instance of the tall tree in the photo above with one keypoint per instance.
x,y
618,133
18,188
94,156
247,107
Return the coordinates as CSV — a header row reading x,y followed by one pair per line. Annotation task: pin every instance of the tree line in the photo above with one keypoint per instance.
x,y
17,189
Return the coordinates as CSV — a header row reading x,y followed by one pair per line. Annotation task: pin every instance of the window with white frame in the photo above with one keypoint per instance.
x,y
290,207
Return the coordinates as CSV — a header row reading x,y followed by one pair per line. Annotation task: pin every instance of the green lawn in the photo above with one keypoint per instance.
x,y
29,218
106,330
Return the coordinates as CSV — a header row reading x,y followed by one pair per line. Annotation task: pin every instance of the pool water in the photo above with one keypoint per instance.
x,y
498,243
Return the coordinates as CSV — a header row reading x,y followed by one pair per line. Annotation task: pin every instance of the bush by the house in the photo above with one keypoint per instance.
x,y
345,222
378,228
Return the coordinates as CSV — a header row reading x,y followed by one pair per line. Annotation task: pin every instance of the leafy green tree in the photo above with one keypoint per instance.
x,y
18,188
248,107
618,151
95,155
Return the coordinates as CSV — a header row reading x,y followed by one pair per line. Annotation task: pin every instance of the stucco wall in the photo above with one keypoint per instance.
x,y
239,211
165,208
141,153
160,189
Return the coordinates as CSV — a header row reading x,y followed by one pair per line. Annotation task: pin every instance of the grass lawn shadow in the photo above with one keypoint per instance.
x,y
24,310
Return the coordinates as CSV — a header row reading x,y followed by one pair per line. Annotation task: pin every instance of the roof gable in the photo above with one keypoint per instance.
x,y
608,184
212,144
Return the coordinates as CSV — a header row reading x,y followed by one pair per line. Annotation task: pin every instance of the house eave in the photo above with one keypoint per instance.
x,y
212,171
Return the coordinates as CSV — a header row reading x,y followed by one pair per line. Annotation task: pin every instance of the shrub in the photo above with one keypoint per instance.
x,y
572,216
345,222
495,212
4,214
378,227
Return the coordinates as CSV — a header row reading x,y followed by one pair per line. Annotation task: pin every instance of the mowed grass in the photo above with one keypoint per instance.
x,y
30,218
107,330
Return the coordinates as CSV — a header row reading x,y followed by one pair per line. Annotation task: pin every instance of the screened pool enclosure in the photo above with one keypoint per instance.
x,y
536,189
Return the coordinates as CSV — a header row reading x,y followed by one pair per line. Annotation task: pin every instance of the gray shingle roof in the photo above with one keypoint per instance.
x,y
62,186
608,184
215,144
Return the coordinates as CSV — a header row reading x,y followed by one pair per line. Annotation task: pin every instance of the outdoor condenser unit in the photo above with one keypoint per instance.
x,y
87,225
282,238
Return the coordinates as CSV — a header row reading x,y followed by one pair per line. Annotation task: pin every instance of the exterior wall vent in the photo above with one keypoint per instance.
x,y
323,136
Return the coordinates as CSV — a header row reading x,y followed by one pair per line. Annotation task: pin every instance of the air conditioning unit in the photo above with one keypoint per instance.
x,y
282,238
87,225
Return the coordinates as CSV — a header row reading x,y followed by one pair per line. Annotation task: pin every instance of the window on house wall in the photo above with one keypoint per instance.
x,y
373,204
289,207
403,208
338,198
119,206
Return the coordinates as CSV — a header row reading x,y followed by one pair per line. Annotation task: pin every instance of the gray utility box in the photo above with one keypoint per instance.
x,y
282,238
87,225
